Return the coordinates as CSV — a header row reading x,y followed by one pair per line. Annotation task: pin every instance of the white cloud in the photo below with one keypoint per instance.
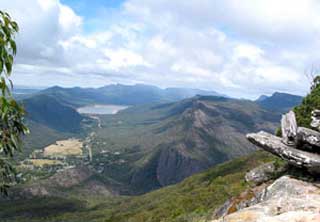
x,y
243,48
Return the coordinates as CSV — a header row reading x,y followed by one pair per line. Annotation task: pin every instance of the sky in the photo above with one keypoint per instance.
x,y
241,48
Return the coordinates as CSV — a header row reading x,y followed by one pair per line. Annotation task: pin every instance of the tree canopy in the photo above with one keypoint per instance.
x,y
309,103
11,113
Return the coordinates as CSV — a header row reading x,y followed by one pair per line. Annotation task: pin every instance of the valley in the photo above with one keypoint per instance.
x,y
116,151
191,200
159,111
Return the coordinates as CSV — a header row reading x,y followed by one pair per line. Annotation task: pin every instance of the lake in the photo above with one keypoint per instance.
x,y
101,109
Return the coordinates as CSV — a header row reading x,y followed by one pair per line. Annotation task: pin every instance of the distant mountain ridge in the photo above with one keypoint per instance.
x,y
52,114
119,94
279,102
261,98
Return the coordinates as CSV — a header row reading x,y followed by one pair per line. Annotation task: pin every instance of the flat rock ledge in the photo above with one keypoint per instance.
x,y
295,157
286,200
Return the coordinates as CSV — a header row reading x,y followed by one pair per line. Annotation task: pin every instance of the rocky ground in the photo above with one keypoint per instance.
x,y
285,200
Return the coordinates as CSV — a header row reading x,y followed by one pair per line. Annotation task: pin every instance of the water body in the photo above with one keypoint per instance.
x,y
101,109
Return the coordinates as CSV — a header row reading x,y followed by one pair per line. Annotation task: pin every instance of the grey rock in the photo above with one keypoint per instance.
x,y
316,113
263,173
274,145
289,128
247,198
287,199
310,137
315,119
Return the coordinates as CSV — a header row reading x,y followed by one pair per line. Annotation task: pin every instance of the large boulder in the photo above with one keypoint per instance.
x,y
308,138
287,199
295,157
289,128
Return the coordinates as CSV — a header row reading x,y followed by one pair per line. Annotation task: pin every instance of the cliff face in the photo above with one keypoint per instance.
x,y
286,199
195,134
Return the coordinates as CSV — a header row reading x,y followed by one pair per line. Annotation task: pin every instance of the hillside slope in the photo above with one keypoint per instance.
x,y
191,200
159,145
49,121
280,102
47,111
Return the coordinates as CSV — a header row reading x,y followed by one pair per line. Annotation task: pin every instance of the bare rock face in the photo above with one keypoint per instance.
x,y
173,166
263,173
289,128
309,137
295,157
299,146
315,117
286,200
247,198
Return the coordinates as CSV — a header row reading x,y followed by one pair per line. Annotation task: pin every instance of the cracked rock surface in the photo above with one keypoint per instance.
x,y
285,200
295,157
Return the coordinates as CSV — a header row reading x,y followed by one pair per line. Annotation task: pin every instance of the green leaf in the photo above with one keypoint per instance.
x,y
11,113
13,46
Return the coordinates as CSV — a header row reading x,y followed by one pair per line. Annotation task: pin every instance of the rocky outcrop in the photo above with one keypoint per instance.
x,y
298,146
258,178
295,157
285,200
289,128
310,138
315,119
264,173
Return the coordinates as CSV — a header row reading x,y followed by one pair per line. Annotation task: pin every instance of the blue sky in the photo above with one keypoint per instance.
x,y
91,10
241,48
88,8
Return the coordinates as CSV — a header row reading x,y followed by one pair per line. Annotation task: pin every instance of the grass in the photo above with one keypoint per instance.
x,y
193,199
44,162
62,148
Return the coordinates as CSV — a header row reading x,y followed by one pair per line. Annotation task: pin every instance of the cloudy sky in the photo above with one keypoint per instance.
x,y
240,48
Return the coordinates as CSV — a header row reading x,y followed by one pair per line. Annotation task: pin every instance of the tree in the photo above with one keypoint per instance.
x,y
11,113
313,76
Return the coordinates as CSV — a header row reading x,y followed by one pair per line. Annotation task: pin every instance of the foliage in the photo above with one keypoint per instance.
x,y
309,103
11,113
278,132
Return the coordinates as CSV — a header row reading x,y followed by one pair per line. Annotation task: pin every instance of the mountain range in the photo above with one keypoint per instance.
x,y
119,94
163,144
164,138
161,139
